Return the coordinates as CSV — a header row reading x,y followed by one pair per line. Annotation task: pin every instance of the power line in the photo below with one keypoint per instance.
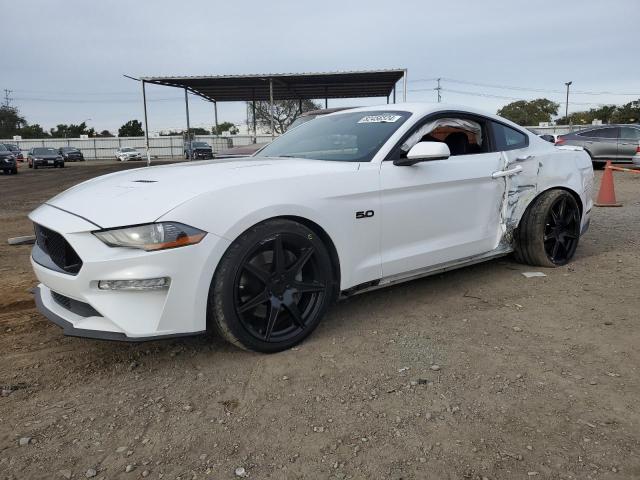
x,y
531,89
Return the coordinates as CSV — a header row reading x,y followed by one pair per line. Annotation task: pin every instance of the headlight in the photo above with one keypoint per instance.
x,y
152,236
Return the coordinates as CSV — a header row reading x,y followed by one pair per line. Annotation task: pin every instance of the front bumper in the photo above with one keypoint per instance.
x,y
48,163
179,310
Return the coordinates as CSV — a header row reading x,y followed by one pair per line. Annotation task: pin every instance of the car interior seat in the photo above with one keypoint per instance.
x,y
458,143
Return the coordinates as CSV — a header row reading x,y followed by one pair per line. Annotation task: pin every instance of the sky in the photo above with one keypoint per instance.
x,y
65,60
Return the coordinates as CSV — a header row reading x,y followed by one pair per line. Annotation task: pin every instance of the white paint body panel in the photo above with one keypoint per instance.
x,y
430,214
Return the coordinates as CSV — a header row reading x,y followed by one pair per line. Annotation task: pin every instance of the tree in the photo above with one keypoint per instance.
x,y
225,127
72,131
10,121
530,112
604,113
284,113
105,133
32,131
133,128
628,113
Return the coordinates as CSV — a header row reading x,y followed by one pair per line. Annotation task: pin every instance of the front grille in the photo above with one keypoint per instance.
x,y
75,306
58,249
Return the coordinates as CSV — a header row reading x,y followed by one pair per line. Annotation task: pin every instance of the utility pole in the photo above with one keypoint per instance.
x,y
438,89
7,97
566,105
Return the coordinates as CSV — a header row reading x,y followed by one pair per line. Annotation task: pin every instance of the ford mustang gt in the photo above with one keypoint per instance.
x,y
258,248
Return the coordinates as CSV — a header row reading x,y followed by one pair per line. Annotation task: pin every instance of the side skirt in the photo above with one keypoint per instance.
x,y
425,272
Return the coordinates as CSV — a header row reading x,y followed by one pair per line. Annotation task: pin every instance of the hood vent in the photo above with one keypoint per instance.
x,y
144,181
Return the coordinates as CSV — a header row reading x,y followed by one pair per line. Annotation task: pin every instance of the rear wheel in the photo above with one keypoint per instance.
x,y
549,231
15,170
272,287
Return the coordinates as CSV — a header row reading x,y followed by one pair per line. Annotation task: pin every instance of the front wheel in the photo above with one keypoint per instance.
x,y
549,231
272,287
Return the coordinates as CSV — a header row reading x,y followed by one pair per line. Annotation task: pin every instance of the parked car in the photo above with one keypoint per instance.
x,y
549,137
44,157
258,248
244,150
124,154
15,150
618,143
199,151
7,161
71,154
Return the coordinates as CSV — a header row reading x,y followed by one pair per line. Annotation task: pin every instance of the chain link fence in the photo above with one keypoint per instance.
x,y
100,148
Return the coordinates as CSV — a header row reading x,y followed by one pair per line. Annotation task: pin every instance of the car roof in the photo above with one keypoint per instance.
x,y
425,108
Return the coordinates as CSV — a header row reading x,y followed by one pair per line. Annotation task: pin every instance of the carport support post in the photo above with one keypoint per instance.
x,y
215,113
186,104
271,107
255,128
146,123
394,93
404,86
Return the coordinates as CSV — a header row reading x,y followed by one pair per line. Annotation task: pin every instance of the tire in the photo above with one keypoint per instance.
x,y
35,167
30,164
549,230
272,287
15,170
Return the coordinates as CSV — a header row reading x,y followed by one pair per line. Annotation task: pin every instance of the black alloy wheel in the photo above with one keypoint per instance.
x,y
562,231
549,230
272,287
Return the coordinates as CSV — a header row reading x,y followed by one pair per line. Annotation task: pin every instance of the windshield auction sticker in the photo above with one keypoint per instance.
x,y
384,118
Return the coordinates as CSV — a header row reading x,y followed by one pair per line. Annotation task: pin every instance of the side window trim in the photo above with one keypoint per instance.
x,y
484,122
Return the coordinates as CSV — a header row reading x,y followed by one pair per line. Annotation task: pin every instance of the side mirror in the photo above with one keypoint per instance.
x,y
423,152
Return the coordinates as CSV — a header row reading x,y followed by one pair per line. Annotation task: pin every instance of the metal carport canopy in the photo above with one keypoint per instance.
x,y
288,86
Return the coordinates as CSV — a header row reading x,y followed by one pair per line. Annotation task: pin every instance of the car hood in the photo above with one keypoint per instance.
x,y
47,157
143,195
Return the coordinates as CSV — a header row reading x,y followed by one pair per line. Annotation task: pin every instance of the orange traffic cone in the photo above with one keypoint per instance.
x,y
607,193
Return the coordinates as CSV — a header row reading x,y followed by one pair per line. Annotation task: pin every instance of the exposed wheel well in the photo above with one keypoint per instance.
x,y
573,194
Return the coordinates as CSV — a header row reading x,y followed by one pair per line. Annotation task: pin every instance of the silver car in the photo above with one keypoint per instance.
x,y
618,143
125,154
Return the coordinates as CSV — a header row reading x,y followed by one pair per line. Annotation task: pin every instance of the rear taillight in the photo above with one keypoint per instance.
x,y
560,141
638,149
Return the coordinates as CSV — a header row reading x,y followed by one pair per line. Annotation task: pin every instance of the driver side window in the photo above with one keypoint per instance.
x,y
463,135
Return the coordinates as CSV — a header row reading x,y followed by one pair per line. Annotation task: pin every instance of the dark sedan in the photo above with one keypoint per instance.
x,y
199,151
7,160
71,154
44,157
15,150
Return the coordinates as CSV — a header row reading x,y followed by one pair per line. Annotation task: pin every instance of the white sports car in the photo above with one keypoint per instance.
x,y
257,248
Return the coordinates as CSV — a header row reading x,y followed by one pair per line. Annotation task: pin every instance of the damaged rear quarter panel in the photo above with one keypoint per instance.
x,y
548,168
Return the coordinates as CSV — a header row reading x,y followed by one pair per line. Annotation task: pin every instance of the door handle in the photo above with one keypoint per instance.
x,y
507,173
523,158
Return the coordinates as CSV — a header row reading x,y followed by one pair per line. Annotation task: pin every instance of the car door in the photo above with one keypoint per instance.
x,y
438,211
628,142
602,143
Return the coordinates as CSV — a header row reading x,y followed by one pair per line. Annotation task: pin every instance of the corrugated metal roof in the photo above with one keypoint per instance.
x,y
287,86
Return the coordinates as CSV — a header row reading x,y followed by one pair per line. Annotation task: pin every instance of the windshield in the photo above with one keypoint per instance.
x,y
127,149
199,145
300,121
13,148
3,148
69,149
45,151
345,137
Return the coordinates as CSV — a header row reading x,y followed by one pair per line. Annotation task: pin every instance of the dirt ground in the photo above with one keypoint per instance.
x,y
477,373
